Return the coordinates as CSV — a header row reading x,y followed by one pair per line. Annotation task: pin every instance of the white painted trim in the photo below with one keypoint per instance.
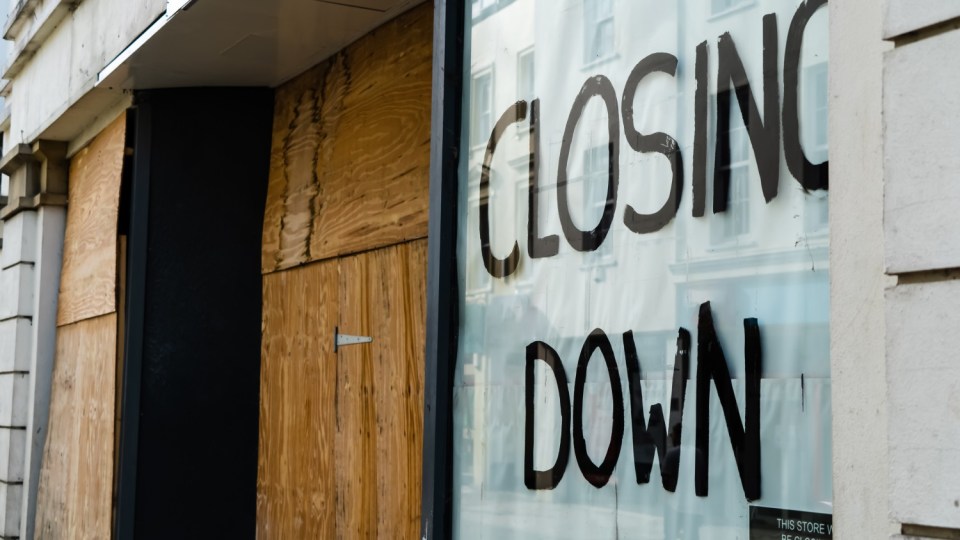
x,y
143,38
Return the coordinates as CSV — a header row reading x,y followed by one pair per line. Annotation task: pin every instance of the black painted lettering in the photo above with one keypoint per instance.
x,y
537,246
497,267
590,240
711,365
764,133
597,475
550,478
700,132
809,175
660,143
654,438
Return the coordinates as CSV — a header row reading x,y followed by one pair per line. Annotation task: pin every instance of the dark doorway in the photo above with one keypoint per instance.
x,y
188,438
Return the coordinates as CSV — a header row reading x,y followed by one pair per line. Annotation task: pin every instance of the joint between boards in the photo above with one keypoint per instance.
x,y
927,32
346,253
15,317
927,531
928,276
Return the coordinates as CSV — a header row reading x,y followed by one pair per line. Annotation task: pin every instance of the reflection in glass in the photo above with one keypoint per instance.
x,y
598,30
758,259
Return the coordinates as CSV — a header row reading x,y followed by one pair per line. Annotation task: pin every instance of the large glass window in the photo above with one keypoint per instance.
x,y
639,364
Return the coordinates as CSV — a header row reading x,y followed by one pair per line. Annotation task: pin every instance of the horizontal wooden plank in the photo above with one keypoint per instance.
x,y
89,275
349,166
76,476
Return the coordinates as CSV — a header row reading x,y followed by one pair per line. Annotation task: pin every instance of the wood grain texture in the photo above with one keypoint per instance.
x,y
349,166
296,495
357,435
88,278
380,387
76,476
398,307
341,434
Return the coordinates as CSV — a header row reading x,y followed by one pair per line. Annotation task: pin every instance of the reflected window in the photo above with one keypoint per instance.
x,y
735,222
598,30
815,107
481,92
816,214
525,76
478,279
485,8
719,7
595,171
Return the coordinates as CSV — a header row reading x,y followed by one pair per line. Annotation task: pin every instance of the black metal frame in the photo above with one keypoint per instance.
x,y
126,486
442,286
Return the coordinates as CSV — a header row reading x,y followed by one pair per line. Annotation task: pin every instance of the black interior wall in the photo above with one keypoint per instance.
x,y
188,448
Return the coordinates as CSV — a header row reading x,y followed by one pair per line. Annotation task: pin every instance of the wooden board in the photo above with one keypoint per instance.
x,y
341,434
350,156
380,388
76,476
296,497
89,275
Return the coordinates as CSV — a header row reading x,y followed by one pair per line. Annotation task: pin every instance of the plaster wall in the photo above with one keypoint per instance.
x,y
857,279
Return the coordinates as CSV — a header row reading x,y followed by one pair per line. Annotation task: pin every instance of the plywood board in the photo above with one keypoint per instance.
x,y
399,304
380,386
76,476
357,435
341,433
350,155
296,497
89,275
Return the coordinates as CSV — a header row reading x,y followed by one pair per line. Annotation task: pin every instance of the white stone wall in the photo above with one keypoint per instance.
x,y
894,216
16,326
64,68
921,109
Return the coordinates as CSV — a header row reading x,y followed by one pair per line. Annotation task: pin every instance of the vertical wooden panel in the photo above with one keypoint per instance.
x,y
350,156
356,446
295,485
76,478
398,301
380,433
341,434
89,275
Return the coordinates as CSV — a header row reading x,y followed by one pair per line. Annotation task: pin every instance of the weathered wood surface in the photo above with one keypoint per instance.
x,y
341,433
296,494
76,476
349,162
88,277
397,320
